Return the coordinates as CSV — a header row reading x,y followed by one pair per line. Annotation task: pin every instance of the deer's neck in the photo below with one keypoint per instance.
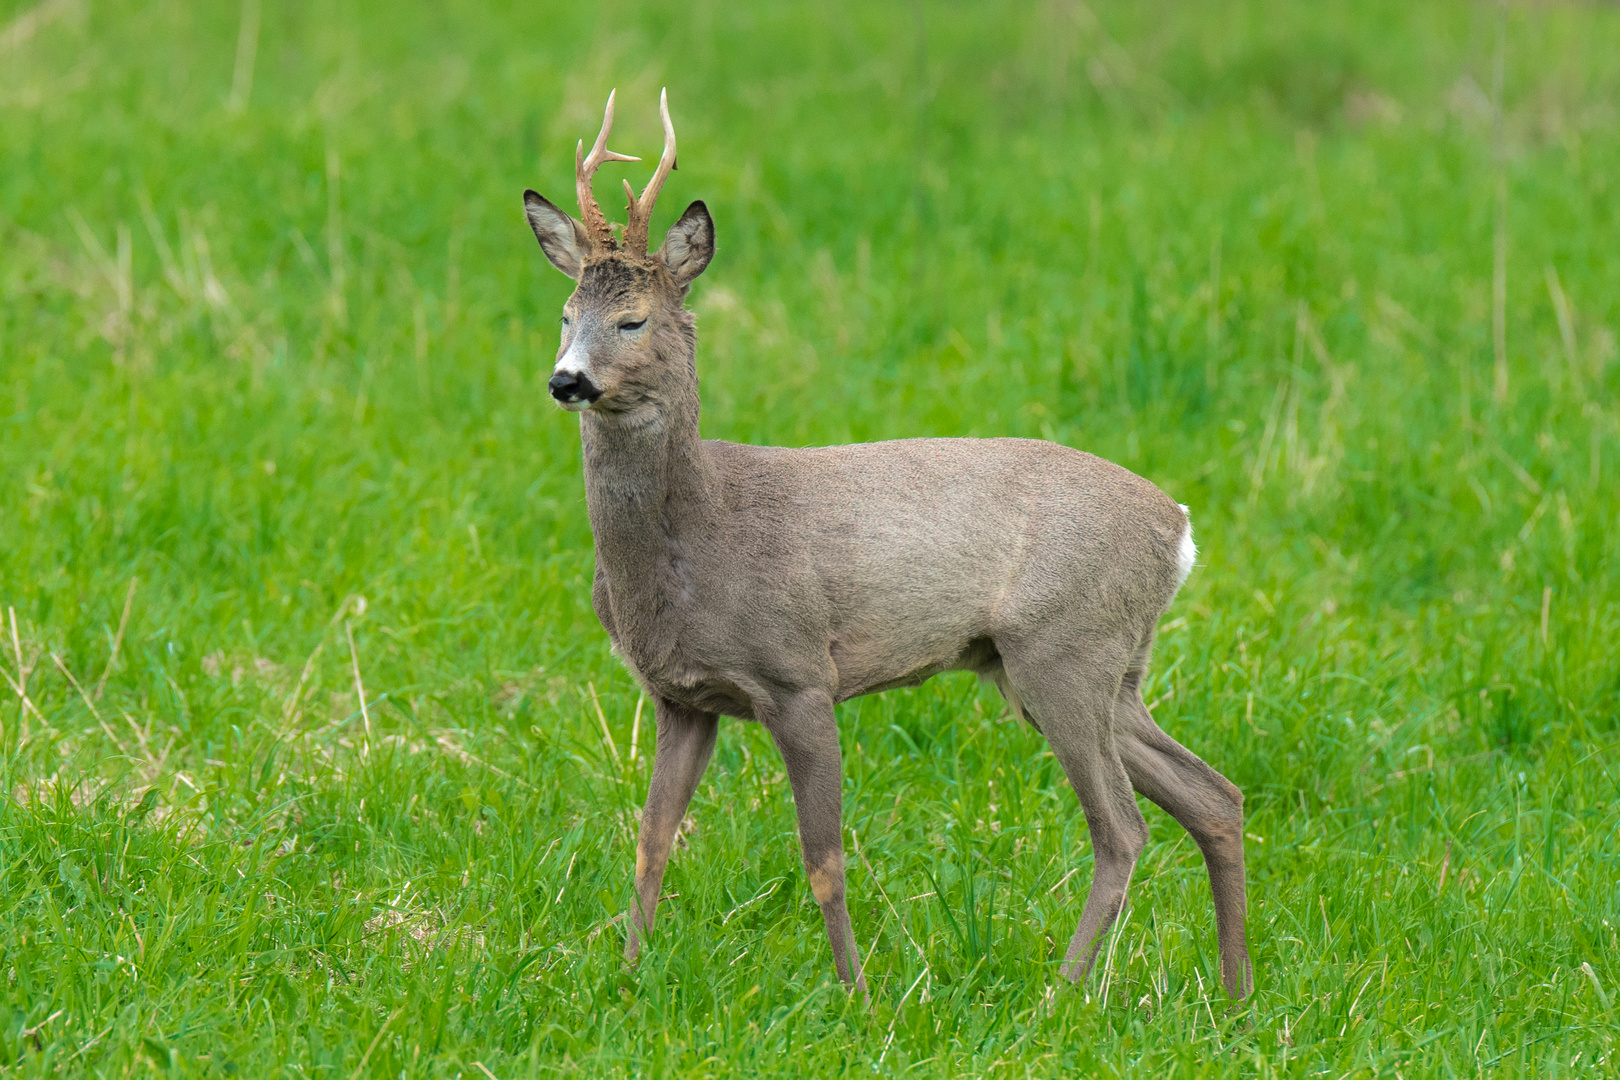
x,y
648,488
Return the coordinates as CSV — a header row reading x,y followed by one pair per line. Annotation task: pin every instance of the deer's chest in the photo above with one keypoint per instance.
x,y
679,676
668,656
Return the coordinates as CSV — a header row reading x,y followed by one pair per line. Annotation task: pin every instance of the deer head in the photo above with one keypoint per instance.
x,y
627,338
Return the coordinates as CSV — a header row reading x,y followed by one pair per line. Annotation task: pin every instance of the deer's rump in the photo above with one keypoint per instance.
x,y
916,556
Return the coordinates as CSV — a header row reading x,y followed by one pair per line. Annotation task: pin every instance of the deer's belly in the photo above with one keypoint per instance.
x,y
871,670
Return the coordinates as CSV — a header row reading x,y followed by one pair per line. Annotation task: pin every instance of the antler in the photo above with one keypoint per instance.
x,y
585,167
639,211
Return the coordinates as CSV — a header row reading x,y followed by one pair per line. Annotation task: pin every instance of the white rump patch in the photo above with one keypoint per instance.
x,y
1187,552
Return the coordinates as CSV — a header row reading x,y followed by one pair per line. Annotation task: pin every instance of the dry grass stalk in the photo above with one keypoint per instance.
x,y
360,690
118,638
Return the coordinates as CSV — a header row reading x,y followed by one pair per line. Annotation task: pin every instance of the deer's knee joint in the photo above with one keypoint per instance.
x,y
1217,826
652,856
826,878
1125,844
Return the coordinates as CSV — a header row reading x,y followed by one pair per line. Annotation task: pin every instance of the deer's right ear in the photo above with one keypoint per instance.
x,y
563,239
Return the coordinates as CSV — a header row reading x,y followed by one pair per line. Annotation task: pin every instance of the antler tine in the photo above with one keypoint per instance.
x,y
585,169
640,208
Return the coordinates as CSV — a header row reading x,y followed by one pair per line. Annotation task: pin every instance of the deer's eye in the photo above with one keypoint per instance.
x,y
637,325
566,321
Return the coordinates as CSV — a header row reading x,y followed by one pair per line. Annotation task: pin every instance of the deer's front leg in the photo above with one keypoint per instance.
x,y
685,741
808,739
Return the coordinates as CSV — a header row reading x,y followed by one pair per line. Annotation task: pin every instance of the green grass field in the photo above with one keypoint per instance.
x,y
273,427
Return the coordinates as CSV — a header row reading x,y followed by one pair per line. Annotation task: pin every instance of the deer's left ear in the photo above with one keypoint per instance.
x,y
689,245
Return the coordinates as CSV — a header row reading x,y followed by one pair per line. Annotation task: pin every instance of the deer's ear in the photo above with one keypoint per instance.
x,y
690,244
563,239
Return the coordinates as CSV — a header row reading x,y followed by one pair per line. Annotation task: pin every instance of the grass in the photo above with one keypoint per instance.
x,y
273,337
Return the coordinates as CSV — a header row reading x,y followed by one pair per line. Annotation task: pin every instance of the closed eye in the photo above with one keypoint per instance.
x,y
633,325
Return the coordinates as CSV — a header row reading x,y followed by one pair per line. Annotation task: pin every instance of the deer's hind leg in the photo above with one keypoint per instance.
x,y
1069,692
1207,805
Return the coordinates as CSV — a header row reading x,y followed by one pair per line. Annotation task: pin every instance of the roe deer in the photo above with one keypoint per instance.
x,y
768,584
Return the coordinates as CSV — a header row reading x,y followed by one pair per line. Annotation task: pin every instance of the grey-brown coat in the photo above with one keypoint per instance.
x,y
769,583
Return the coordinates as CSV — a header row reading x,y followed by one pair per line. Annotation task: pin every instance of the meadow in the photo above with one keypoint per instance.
x,y
314,760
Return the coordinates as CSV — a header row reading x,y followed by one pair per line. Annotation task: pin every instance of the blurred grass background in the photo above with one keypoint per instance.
x,y
273,339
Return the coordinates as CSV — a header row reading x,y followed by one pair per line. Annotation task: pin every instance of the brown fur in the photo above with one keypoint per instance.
x,y
768,584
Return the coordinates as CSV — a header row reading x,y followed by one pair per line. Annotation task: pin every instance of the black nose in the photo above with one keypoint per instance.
x,y
568,386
